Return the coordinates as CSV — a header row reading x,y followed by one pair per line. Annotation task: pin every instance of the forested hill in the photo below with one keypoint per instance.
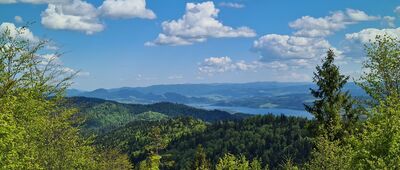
x,y
270,139
102,115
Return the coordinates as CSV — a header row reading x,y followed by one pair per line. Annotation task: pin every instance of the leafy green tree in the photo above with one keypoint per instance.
x,y
200,159
112,159
329,155
381,77
331,103
255,164
151,163
231,162
36,130
378,145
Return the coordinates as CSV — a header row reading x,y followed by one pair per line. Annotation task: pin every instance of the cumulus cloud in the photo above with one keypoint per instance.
x,y
284,47
323,26
77,16
126,9
357,15
214,65
223,64
308,44
18,32
231,5
369,34
197,24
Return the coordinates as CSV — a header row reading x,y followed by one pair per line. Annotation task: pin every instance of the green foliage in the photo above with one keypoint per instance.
x,y
256,164
289,165
378,145
375,144
200,159
101,116
231,162
139,139
382,75
330,101
36,131
112,159
329,155
268,138
151,163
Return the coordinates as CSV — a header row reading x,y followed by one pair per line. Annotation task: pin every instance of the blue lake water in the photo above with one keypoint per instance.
x,y
257,111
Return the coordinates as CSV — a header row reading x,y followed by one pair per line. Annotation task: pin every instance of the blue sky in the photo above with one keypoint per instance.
x,y
116,43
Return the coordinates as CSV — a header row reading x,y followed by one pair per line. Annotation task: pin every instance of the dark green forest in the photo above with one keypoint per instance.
x,y
40,128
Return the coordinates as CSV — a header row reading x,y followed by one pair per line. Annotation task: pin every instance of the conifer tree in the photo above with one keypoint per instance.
x,y
331,103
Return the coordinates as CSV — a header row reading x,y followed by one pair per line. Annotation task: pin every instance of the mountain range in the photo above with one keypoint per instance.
x,y
252,95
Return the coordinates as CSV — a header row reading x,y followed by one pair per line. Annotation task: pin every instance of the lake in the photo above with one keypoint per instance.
x,y
256,111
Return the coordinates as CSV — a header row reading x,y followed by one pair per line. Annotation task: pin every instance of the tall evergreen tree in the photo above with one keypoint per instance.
x,y
331,103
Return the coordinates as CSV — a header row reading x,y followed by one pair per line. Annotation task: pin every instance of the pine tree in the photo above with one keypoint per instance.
x,y
331,103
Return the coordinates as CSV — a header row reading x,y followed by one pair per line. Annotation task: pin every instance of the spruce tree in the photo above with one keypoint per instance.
x,y
331,102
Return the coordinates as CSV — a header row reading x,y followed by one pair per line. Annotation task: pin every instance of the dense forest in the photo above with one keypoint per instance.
x,y
103,115
42,129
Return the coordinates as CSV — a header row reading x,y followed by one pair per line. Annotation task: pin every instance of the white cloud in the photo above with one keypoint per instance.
x,y
77,16
126,9
223,64
369,34
389,21
308,26
18,32
231,5
357,15
308,44
285,47
214,65
197,24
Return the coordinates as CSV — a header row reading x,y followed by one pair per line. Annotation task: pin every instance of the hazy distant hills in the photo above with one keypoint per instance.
x,y
253,95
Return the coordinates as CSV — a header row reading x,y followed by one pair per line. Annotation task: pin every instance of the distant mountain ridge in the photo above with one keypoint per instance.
x,y
255,95
102,115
